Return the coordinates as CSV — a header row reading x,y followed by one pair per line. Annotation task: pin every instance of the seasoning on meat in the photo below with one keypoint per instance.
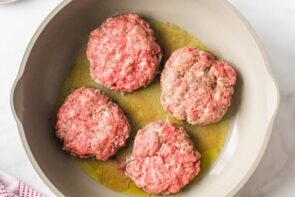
x,y
196,87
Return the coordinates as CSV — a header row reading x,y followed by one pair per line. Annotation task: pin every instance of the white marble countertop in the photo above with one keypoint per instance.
x,y
274,22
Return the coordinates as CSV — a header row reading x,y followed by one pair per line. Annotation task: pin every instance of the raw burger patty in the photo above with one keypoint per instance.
x,y
123,53
163,159
196,87
90,124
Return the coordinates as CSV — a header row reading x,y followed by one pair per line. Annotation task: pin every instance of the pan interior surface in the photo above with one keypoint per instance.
x,y
143,107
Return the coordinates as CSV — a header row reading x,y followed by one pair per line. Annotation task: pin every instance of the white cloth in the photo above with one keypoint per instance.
x,y
12,187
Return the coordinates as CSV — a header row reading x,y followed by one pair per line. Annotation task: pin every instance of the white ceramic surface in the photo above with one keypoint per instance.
x,y
24,44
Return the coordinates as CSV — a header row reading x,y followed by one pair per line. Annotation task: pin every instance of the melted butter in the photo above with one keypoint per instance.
x,y
142,107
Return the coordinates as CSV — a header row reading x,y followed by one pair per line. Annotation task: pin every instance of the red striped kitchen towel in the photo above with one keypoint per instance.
x,y
12,187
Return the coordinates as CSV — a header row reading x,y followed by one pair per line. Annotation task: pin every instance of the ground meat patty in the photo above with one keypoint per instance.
x,y
196,87
123,53
163,159
90,124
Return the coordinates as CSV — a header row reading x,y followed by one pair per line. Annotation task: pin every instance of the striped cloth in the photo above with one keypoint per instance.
x,y
11,187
